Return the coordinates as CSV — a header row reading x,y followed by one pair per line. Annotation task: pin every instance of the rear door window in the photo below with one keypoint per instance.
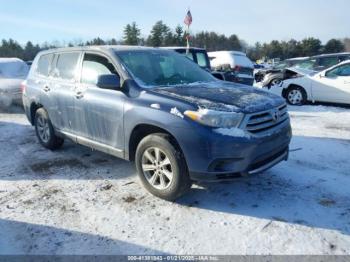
x,y
66,66
44,65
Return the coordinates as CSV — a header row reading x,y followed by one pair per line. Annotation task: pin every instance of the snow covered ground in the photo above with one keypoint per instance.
x,y
75,201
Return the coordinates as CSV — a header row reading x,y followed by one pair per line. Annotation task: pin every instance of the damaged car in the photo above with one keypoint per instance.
x,y
301,85
155,107
273,76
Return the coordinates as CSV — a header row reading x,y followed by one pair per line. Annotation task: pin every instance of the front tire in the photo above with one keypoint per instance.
x,y
295,95
162,167
275,81
45,131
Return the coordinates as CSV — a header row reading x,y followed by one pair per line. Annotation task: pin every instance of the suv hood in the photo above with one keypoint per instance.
x,y
223,96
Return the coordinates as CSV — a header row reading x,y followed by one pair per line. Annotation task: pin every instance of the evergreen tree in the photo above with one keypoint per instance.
x,y
334,46
96,41
131,34
179,37
30,51
159,35
234,43
310,46
11,48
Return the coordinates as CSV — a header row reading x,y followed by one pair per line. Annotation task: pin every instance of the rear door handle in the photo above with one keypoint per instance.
x,y
46,88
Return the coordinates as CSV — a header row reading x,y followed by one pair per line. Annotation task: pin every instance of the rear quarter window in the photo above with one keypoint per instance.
x,y
44,65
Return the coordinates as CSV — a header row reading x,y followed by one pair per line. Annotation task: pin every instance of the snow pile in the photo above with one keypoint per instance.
x,y
176,112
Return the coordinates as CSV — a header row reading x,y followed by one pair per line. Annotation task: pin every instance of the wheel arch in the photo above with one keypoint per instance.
x,y
32,110
142,130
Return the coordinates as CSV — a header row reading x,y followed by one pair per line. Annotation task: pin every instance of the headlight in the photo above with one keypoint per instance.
x,y
215,118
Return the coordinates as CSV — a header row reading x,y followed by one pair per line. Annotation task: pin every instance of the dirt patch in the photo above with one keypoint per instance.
x,y
129,199
48,166
309,165
327,202
106,187
99,161
338,127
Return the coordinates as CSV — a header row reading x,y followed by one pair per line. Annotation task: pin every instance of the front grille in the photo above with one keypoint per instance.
x,y
266,120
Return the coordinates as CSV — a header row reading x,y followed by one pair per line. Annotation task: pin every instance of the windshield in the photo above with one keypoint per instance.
x,y
281,66
151,68
308,64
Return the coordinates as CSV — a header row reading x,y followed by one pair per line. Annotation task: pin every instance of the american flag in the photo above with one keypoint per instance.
x,y
188,18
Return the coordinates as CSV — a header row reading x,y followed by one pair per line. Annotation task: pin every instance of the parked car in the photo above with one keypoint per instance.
x,y
330,85
314,63
134,103
273,76
198,55
13,71
324,61
239,66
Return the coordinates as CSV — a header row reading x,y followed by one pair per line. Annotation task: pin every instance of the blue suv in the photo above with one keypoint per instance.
x,y
157,108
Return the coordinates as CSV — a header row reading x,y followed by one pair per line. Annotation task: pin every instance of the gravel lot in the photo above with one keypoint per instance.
x,y
78,201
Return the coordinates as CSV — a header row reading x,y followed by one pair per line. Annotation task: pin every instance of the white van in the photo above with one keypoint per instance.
x,y
234,61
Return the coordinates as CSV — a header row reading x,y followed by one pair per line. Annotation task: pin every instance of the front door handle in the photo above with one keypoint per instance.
x,y
79,95
46,88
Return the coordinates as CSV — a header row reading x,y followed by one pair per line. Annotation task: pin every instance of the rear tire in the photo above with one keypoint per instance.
x,y
45,131
161,167
295,95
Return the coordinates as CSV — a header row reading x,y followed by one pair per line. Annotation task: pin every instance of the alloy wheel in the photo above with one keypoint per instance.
x,y
43,129
157,168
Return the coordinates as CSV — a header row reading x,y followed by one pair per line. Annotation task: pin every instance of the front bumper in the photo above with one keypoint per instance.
x,y
218,157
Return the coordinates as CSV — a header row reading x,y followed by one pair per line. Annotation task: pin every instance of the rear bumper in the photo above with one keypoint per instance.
x,y
9,97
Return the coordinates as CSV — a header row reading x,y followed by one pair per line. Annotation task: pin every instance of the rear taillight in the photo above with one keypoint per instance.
x,y
23,87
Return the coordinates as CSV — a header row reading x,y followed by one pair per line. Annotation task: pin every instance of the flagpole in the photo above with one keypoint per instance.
x,y
187,37
188,21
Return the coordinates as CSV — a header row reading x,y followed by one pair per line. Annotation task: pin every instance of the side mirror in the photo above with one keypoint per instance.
x,y
110,81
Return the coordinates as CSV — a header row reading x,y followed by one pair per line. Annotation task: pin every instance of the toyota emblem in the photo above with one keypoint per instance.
x,y
275,115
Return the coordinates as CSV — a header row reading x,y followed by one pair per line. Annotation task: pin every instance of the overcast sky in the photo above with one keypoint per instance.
x,y
252,20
